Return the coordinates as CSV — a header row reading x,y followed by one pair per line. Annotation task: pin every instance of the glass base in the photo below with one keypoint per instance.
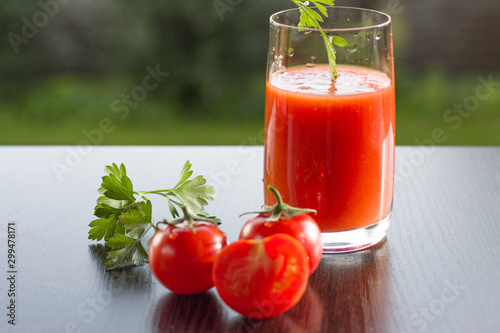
x,y
355,240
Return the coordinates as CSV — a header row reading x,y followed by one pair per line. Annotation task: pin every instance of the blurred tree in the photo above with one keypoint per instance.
x,y
215,51
207,46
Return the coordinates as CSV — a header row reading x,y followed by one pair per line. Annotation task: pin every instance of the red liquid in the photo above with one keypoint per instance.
x,y
331,148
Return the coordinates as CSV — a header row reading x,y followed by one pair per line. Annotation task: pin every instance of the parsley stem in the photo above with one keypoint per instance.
x,y
160,192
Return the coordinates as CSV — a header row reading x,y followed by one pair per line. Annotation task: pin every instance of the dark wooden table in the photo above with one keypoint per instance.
x,y
437,271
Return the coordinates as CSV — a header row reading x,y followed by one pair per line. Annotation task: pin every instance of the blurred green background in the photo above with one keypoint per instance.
x,y
71,67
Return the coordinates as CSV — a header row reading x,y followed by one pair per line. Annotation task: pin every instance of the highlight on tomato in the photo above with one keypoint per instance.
x,y
261,278
282,218
181,254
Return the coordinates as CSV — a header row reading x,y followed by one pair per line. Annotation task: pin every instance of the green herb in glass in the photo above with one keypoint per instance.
x,y
309,18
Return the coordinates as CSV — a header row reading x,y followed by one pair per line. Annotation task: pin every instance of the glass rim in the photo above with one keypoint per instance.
x,y
386,23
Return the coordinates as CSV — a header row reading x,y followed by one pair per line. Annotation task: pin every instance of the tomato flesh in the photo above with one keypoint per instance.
x,y
302,227
182,260
261,278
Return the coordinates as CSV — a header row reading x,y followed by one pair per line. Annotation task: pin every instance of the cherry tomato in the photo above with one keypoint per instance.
x,y
302,227
182,260
283,218
261,278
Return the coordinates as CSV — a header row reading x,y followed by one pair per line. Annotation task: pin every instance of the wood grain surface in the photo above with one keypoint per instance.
x,y
437,271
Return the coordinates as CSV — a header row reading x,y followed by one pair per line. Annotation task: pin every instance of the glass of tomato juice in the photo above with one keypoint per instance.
x,y
329,145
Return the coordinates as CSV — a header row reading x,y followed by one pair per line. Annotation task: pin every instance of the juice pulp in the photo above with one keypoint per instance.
x,y
330,147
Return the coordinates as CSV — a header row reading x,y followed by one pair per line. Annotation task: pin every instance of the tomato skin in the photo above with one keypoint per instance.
x,y
261,278
303,227
182,260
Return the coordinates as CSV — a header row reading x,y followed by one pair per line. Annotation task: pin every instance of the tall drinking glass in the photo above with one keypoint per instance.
x,y
330,145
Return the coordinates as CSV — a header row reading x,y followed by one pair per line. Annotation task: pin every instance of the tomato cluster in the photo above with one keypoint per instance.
x,y
261,275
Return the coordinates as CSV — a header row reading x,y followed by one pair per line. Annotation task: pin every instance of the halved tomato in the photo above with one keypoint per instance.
x,y
261,278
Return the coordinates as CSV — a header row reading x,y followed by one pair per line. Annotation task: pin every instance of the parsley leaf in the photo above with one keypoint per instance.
x,y
185,173
194,193
137,220
117,188
102,228
125,251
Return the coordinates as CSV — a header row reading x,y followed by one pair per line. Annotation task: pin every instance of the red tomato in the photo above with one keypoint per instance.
x,y
182,260
261,278
303,227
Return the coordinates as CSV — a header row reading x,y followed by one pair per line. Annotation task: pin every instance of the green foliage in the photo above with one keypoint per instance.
x,y
205,56
124,219
64,80
427,101
309,18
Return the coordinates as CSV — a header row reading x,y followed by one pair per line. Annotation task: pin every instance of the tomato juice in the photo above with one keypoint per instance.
x,y
330,146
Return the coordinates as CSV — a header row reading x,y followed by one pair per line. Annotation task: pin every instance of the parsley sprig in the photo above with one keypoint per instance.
x,y
125,215
309,18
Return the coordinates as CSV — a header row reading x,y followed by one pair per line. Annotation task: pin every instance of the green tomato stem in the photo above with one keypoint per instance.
x,y
281,210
